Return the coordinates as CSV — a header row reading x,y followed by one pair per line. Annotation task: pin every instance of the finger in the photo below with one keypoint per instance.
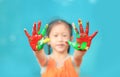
x,y
34,29
81,27
69,42
94,34
88,45
44,30
87,28
46,40
39,25
74,45
26,33
75,30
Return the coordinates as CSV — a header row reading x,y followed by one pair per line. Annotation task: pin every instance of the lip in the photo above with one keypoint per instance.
x,y
60,45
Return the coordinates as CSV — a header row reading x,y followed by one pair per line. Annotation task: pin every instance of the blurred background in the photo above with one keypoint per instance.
x,y
16,56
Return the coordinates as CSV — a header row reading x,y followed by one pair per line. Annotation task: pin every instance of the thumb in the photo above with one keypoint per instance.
x,y
68,42
46,40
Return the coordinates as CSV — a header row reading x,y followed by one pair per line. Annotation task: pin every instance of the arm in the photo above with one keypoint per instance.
x,y
40,54
78,55
41,57
37,42
83,42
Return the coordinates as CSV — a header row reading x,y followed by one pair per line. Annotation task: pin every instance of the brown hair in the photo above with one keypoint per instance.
x,y
51,24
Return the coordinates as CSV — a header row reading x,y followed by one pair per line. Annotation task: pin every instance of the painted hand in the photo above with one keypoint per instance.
x,y
83,40
37,40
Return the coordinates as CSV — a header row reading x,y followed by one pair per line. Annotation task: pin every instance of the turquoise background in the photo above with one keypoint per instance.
x,y
16,56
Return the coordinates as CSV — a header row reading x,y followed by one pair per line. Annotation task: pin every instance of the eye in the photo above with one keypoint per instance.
x,y
55,35
64,35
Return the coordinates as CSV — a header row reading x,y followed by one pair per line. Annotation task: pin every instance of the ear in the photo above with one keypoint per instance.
x,y
71,38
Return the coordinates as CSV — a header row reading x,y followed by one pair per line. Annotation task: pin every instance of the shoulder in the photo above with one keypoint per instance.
x,y
43,68
71,58
73,63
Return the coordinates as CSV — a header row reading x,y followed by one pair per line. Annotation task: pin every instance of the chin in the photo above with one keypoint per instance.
x,y
61,50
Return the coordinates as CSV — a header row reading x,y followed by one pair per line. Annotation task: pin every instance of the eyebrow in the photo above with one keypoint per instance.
x,y
62,32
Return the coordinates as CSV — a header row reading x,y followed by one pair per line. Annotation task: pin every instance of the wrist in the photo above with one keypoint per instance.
x,y
79,53
38,51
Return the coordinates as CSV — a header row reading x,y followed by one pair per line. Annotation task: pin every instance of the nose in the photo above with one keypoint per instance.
x,y
60,38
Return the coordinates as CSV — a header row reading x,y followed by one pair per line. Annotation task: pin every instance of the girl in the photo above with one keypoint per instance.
x,y
59,36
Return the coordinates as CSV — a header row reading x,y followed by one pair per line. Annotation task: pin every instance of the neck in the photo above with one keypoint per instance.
x,y
59,56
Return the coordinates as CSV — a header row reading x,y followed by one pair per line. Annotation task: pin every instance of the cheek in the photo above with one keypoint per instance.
x,y
52,41
67,38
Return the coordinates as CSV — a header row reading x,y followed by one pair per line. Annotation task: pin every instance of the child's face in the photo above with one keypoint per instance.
x,y
59,34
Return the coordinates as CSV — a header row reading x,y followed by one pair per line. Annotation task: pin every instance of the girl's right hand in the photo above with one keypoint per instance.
x,y
37,40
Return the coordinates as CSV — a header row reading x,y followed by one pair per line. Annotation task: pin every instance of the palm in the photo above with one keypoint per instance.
x,y
33,40
83,36
83,40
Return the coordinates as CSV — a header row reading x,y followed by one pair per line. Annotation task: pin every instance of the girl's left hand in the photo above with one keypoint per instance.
x,y
83,40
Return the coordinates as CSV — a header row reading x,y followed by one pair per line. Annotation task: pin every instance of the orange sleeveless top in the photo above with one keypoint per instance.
x,y
67,70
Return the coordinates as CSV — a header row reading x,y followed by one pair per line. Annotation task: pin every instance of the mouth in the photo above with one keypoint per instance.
x,y
60,45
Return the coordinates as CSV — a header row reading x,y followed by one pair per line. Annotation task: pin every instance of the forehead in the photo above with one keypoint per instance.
x,y
61,27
